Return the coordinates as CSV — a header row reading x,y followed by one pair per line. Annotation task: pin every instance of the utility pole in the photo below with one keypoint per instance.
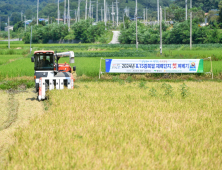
x,y
86,11
117,14
124,20
92,11
146,15
90,8
64,18
59,15
31,41
136,27
8,34
108,13
101,13
78,10
186,8
105,13
25,22
128,12
165,13
191,25
75,15
97,6
37,12
113,14
21,16
158,11
58,12
160,30
68,16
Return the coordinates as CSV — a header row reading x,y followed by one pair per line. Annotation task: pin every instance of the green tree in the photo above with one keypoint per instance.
x,y
86,32
179,34
14,18
42,34
29,13
18,25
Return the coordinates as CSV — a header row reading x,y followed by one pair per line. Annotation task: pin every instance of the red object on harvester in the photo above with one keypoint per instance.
x,y
64,68
43,51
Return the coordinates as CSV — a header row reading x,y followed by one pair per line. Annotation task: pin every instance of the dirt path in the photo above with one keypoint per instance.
x,y
18,109
115,37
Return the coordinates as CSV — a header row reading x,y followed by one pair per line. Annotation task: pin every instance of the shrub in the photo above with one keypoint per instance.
x,y
86,32
152,92
184,90
42,34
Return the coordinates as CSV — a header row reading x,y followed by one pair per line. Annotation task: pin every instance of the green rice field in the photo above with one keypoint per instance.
x,y
16,62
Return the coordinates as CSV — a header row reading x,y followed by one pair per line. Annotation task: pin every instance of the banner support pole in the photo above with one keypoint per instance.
x,y
100,67
211,69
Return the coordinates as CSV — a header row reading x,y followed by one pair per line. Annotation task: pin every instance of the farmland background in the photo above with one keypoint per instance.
x,y
121,121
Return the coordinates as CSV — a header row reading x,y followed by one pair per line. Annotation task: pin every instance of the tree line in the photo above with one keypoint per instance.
x,y
83,31
179,33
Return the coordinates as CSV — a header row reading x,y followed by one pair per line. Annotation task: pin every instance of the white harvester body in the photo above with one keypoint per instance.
x,y
49,74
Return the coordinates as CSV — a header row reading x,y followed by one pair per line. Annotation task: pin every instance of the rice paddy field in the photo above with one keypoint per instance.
x,y
123,121
113,125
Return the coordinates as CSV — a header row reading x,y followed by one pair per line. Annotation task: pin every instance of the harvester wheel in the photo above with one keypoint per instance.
x,y
37,88
46,86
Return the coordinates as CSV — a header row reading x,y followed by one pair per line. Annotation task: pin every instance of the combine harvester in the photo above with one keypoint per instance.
x,y
49,74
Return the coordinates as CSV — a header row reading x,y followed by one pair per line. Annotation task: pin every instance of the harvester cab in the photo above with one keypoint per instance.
x,y
49,74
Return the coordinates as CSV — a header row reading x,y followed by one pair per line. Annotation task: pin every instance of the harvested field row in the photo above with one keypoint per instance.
x,y
17,108
3,107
